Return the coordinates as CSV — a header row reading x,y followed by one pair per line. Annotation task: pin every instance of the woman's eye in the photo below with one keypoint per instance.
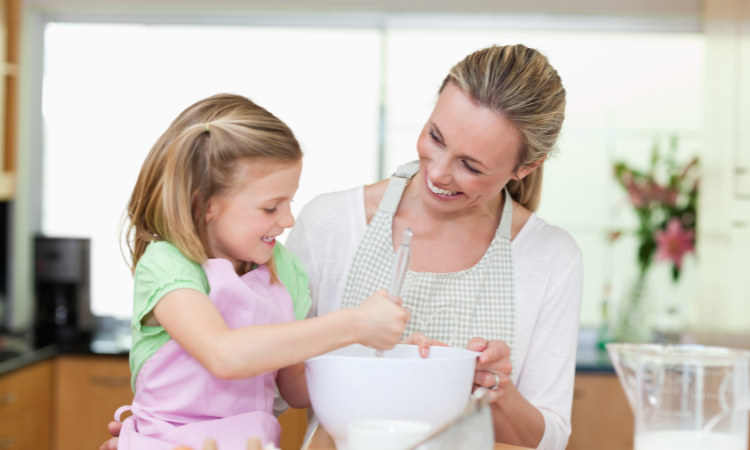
x,y
434,137
471,169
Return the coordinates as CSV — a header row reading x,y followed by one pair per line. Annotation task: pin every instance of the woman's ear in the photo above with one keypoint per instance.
x,y
523,171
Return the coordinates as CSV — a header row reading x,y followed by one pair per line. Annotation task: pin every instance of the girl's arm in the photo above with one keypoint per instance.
x,y
190,318
292,384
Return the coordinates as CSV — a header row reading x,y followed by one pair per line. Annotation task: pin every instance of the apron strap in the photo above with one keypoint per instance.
x,y
507,218
396,187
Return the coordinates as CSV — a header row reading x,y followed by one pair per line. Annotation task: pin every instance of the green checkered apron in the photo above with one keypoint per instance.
x,y
449,307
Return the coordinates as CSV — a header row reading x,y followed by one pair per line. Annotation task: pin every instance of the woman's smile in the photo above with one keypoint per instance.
x,y
440,193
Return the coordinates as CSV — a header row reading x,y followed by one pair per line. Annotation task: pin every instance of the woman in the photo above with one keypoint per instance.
x,y
483,263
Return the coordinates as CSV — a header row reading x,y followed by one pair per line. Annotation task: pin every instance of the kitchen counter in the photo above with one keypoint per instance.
x,y
593,360
320,440
19,352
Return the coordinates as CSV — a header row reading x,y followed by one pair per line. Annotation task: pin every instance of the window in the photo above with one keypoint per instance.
x,y
111,90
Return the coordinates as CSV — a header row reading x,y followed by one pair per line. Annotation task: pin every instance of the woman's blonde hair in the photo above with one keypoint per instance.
x,y
196,158
520,84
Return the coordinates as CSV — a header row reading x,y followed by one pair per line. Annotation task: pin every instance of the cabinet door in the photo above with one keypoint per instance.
x,y
26,391
24,434
25,396
601,416
293,427
87,391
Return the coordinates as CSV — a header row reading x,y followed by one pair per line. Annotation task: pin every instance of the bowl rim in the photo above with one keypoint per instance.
x,y
469,354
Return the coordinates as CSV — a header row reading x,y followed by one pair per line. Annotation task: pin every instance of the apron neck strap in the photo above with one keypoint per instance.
x,y
507,218
396,187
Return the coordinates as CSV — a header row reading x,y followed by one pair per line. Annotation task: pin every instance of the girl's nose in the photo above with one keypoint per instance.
x,y
286,220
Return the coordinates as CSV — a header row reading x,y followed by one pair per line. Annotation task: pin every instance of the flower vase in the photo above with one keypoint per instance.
x,y
631,322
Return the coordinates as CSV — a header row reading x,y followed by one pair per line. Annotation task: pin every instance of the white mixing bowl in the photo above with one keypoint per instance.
x,y
351,384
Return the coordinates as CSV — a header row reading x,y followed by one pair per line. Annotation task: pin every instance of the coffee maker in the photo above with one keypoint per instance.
x,y
62,290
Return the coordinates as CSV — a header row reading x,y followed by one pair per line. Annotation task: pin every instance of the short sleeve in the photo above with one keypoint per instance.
x,y
161,270
295,279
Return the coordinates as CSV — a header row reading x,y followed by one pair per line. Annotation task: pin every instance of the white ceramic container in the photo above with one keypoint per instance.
x,y
351,384
387,434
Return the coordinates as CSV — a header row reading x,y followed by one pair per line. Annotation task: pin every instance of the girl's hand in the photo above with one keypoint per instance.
x,y
423,342
380,322
494,360
114,430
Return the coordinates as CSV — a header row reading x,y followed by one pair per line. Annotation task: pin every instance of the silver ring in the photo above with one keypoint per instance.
x,y
497,381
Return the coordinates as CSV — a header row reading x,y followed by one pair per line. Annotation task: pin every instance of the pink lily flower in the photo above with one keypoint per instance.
x,y
674,242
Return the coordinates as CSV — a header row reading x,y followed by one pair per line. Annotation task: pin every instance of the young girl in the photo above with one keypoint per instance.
x,y
215,296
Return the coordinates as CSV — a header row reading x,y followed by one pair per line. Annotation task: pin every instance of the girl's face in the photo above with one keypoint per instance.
x,y
467,153
242,225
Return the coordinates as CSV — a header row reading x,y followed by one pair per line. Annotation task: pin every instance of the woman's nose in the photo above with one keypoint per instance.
x,y
440,172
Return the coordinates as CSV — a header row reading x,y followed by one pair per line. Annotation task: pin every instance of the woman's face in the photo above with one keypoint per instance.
x,y
467,153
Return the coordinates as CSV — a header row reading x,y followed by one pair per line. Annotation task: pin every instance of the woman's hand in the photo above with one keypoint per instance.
x,y
494,360
379,321
423,342
114,429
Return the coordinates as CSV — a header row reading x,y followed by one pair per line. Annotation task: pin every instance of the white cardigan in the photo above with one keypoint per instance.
x,y
548,277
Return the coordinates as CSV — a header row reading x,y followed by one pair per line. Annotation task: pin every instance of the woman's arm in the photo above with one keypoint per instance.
x,y
515,419
191,319
536,412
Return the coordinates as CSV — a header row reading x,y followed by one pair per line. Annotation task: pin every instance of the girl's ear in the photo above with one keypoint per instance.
x,y
523,171
210,208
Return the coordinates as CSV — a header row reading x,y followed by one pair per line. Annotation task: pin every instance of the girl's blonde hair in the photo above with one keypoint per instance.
x,y
520,84
196,158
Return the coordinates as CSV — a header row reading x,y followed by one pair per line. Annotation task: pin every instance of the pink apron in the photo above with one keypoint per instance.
x,y
179,402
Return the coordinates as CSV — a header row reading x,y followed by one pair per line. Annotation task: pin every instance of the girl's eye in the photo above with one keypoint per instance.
x,y
471,169
270,210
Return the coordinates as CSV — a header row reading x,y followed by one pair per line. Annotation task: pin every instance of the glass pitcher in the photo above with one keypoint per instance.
x,y
685,397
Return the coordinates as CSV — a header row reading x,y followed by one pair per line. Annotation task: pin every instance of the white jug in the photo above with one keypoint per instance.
x,y
685,397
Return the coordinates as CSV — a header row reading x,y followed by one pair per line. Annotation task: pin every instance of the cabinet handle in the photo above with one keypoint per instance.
x,y
110,381
8,399
8,442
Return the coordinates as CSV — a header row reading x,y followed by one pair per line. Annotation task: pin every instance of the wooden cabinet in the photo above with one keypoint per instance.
x,y
87,391
10,21
25,408
293,427
601,416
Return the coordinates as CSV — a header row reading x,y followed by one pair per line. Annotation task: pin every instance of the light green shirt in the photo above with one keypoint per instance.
x,y
163,268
